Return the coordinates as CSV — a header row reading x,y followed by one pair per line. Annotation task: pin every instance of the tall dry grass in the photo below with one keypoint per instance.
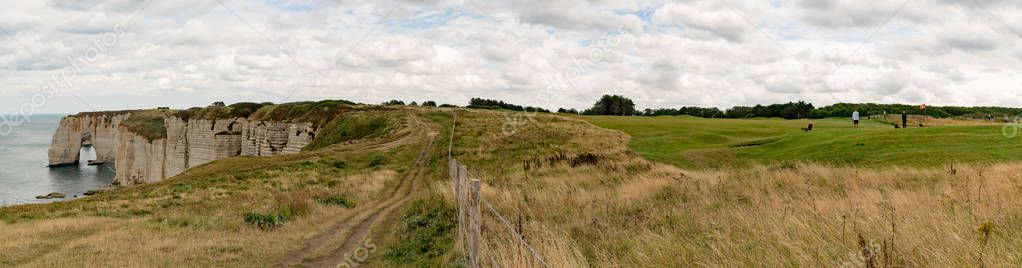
x,y
627,211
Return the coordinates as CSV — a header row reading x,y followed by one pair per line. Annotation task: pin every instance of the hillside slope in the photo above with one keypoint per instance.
x,y
240,211
583,198
575,191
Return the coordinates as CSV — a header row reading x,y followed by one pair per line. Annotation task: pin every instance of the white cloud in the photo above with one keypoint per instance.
x,y
690,52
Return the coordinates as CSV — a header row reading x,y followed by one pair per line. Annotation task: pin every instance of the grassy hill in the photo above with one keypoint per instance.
x,y
621,210
693,142
246,211
578,193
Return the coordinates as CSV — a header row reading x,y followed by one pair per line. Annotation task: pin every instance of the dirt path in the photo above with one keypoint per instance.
x,y
354,229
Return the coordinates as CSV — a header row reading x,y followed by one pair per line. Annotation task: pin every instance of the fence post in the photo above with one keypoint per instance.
x,y
476,230
454,168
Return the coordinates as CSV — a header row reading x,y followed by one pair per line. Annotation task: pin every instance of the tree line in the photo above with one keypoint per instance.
x,y
622,106
480,103
619,105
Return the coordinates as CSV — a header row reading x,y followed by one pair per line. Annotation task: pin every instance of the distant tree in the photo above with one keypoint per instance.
x,y
445,105
612,105
480,103
567,111
218,104
429,103
413,104
739,112
393,102
536,110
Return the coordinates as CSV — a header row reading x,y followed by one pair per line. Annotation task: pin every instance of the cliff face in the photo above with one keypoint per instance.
x,y
140,160
267,138
102,135
188,143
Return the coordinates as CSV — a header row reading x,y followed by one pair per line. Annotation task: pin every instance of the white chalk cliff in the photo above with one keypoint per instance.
x,y
188,143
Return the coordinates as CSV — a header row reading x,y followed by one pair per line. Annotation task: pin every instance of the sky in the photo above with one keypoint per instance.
x,y
62,56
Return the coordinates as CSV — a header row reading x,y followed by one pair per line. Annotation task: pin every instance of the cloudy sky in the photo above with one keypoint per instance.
x,y
62,56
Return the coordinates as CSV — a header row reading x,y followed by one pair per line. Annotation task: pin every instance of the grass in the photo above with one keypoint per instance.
x,y
338,200
353,126
236,212
691,142
626,211
237,110
762,194
319,113
287,208
148,124
424,234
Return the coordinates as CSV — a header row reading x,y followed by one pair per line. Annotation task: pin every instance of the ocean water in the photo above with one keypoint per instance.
x,y
23,171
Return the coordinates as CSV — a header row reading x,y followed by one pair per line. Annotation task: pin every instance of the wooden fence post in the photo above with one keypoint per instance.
x,y
475,235
455,169
463,184
452,169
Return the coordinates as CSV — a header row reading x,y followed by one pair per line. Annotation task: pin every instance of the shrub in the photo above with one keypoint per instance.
x,y
335,163
377,160
425,233
339,200
288,207
585,159
265,221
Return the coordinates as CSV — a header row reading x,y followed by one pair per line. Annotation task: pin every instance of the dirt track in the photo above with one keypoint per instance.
x,y
352,231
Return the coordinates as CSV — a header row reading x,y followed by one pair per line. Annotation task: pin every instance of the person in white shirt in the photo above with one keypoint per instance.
x,y
855,118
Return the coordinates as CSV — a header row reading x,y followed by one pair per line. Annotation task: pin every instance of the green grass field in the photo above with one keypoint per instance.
x,y
693,142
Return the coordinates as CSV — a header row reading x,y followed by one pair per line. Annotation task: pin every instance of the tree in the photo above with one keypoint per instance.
x,y
394,102
612,105
567,111
429,103
218,104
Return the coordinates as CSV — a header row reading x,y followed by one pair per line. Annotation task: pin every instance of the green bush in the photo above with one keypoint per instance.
x,y
339,200
335,163
424,235
377,160
287,208
265,221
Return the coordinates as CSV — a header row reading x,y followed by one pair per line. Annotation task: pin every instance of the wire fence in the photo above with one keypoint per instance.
x,y
473,231
472,207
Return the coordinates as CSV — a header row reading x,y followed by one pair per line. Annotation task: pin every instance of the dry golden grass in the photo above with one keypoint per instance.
x,y
625,211
182,237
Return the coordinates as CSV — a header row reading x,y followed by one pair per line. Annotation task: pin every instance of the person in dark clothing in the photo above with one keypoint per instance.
x,y
904,119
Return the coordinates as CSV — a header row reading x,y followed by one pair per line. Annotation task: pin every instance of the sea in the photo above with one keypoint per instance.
x,y
23,160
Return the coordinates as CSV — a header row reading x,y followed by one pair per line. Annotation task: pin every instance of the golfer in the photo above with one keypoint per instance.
x,y
904,119
855,118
